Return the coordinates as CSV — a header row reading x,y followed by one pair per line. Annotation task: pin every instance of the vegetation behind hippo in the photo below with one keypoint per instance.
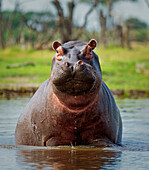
x,y
122,68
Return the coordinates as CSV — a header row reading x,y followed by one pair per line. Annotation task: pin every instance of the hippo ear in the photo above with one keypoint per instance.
x,y
92,43
56,44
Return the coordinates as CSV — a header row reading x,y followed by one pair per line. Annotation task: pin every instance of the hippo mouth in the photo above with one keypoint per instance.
x,y
75,86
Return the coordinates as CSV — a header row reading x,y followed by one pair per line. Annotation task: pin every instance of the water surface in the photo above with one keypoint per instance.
x,y
134,154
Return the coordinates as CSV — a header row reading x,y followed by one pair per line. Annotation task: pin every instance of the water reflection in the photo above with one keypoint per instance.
x,y
69,159
9,113
135,116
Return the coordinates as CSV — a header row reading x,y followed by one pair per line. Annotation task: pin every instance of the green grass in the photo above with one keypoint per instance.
x,y
118,67
32,74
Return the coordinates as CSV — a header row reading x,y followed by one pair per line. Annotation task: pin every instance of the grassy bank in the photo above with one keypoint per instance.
x,y
122,68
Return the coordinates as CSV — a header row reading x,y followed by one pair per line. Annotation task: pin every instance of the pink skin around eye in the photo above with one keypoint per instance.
x,y
87,52
59,53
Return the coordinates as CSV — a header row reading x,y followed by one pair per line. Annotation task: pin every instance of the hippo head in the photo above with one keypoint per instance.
x,y
75,73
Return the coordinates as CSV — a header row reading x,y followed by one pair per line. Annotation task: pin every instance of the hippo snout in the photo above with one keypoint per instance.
x,y
74,78
73,68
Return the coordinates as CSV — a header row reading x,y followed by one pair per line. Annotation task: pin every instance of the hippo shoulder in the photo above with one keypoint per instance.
x,y
111,112
108,105
107,94
38,99
24,131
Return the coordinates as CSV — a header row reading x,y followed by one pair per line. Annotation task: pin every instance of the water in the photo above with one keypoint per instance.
x,y
134,154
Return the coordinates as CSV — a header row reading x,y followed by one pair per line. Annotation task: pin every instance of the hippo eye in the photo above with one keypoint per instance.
x,y
61,50
90,50
81,54
64,51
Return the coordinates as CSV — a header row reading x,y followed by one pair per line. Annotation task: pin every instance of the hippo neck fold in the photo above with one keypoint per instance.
x,y
78,102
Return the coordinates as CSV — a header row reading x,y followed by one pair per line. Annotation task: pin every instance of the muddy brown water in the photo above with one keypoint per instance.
x,y
134,154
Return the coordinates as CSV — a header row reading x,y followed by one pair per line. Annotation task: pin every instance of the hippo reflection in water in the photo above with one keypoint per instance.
x,y
74,106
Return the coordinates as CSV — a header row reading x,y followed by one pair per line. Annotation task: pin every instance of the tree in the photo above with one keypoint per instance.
x,y
103,28
34,21
6,24
65,23
2,27
16,24
123,29
136,23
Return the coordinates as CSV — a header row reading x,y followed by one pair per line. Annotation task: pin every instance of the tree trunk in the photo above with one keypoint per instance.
x,y
103,29
62,22
110,5
65,24
128,36
120,35
71,6
2,43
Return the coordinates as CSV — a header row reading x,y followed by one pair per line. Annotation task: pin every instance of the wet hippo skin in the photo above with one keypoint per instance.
x,y
74,106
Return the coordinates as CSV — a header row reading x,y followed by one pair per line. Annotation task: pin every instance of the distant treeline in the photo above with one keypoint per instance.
x,y
37,29
22,28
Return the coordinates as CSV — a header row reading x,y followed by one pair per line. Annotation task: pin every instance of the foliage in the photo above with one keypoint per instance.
x,y
136,23
29,16
105,1
38,28
141,35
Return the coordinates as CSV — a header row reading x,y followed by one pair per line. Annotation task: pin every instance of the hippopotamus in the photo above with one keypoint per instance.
x,y
74,106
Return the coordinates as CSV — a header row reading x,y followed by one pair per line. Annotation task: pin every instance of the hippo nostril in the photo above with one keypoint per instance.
x,y
66,64
79,66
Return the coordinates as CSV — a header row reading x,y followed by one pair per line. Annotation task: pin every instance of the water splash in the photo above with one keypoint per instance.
x,y
72,146
75,131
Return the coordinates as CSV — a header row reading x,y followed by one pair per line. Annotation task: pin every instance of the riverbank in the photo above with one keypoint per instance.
x,y
30,90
